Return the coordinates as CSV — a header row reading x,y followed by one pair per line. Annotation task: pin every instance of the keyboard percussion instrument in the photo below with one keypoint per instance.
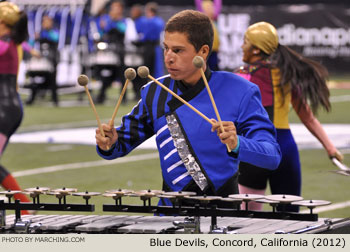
x,y
189,213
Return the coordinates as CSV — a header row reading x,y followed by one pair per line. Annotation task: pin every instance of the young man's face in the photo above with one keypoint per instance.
x,y
178,56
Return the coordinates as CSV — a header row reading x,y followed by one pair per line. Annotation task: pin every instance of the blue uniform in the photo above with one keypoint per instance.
x,y
188,150
50,35
150,30
110,24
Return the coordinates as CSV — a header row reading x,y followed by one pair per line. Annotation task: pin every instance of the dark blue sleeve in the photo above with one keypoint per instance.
x,y
136,127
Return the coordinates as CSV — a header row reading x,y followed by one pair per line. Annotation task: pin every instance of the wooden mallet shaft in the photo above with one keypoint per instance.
x,y
143,72
199,63
129,74
83,80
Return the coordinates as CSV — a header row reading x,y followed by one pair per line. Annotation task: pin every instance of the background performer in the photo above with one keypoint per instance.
x,y
284,77
13,31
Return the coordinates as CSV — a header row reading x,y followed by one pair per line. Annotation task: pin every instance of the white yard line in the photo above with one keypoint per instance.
x,y
345,151
59,126
340,98
338,133
82,165
335,99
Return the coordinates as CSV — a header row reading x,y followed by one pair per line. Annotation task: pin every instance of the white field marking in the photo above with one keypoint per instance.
x,y
81,165
67,125
340,98
61,147
345,151
329,207
338,133
70,136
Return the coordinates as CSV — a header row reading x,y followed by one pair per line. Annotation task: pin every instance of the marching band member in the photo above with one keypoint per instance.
x,y
151,33
112,27
192,152
48,40
284,77
13,31
149,29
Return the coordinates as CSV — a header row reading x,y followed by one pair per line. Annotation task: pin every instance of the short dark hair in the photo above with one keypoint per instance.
x,y
196,25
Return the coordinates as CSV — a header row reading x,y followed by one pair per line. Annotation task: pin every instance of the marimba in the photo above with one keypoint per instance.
x,y
122,224
201,217
39,66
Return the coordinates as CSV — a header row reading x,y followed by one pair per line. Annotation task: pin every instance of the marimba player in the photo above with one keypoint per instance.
x,y
192,151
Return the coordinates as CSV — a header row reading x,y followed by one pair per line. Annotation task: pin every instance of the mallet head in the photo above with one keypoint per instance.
x,y
130,74
143,71
198,61
83,80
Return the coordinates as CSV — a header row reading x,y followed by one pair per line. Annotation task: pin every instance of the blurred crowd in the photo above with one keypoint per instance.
x,y
108,43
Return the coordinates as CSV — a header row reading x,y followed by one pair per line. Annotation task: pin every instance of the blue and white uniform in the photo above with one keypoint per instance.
x,y
188,150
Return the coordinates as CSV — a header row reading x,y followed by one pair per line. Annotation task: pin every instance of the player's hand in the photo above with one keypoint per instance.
x,y
229,136
110,138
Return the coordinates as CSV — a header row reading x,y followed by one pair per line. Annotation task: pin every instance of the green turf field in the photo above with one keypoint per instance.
x,y
318,181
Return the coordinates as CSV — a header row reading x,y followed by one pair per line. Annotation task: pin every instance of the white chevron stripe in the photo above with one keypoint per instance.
x,y
180,178
174,166
170,153
165,142
162,129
